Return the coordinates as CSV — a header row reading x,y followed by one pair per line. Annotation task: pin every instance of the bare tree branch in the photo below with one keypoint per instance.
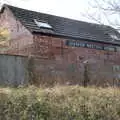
x,y
106,11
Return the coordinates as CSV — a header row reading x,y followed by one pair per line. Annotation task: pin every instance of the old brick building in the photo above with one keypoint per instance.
x,y
70,49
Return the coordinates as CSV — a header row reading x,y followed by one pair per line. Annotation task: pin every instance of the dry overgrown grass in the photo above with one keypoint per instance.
x,y
59,103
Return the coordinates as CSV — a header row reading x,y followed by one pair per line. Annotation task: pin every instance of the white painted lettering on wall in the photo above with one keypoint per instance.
x,y
90,45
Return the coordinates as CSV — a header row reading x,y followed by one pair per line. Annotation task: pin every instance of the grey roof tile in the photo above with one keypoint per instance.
x,y
64,26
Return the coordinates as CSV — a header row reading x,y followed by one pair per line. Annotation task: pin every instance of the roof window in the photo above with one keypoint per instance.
x,y
42,24
114,37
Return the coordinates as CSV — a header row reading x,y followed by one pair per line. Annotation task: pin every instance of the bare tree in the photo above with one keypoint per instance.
x,y
105,12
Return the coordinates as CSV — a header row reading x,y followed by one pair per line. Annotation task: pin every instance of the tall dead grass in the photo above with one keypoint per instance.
x,y
59,103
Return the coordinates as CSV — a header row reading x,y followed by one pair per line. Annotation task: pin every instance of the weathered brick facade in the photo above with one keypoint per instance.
x,y
57,61
68,63
21,39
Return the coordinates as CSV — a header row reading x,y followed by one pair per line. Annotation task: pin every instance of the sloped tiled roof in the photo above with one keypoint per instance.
x,y
64,26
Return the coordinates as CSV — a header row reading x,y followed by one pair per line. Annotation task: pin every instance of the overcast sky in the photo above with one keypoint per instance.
x,y
66,8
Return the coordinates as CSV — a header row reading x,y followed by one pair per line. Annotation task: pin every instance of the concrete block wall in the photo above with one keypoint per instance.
x,y
19,70
13,70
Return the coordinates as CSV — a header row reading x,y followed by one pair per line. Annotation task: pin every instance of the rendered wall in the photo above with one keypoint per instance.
x,y
19,70
13,70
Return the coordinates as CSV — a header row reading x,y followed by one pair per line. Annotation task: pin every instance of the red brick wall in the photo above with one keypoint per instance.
x,y
65,64
57,49
21,39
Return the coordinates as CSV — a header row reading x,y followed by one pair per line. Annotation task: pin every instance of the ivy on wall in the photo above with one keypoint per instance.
x,y
4,39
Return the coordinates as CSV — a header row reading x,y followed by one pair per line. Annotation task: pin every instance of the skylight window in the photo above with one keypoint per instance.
x,y
114,37
42,24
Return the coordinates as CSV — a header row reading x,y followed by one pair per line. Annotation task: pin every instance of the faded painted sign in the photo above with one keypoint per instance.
x,y
90,45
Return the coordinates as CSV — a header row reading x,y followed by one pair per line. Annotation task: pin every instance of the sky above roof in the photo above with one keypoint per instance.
x,y
75,9
65,8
